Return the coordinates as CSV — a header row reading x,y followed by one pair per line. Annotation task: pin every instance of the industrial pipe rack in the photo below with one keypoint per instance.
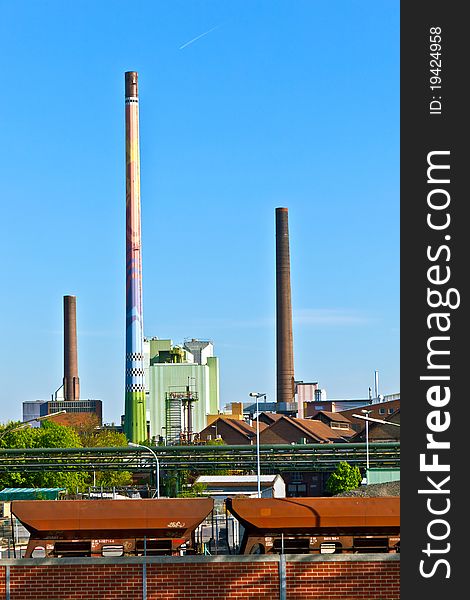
x,y
278,458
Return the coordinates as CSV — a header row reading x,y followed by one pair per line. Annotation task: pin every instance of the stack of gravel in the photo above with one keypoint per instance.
x,y
391,488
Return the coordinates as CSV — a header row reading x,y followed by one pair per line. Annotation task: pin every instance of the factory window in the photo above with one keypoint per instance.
x,y
296,489
381,411
338,425
390,411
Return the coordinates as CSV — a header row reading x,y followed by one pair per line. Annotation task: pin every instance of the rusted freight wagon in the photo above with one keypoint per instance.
x,y
317,525
61,528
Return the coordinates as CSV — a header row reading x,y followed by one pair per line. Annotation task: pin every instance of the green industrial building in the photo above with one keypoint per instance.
x,y
180,391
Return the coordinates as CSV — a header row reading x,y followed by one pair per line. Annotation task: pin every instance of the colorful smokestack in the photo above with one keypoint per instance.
x,y
71,381
284,337
135,414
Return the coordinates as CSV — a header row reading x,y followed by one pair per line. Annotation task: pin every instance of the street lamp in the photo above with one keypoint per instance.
x,y
368,419
257,396
26,424
157,486
367,413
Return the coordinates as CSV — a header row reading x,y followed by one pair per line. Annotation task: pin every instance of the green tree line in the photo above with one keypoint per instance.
x,y
53,435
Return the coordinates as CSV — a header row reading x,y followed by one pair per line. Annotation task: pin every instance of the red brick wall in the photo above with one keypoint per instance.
x,y
217,581
339,580
202,579
81,582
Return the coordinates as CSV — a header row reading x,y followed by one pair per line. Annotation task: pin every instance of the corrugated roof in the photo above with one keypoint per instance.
x,y
8,494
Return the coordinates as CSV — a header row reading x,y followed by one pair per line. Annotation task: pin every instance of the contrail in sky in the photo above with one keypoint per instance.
x,y
197,38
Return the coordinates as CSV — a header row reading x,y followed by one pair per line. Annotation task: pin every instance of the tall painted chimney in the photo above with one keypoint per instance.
x,y
284,337
71,381
135,414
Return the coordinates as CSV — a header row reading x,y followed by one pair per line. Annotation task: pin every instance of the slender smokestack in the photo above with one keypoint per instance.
x,y
135,415
71,380
284,338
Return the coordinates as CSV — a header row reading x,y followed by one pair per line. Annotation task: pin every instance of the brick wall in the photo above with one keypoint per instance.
x,y
76,582
214,580
338,580
336,577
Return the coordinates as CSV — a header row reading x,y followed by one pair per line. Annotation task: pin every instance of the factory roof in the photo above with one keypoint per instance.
x,y
320,430
238,424
381,431
332,416
227,428
241,425
268,417
288,430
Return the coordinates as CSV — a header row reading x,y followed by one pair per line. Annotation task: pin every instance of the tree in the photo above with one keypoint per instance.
x,y
105,438
49,435
52,435
196,490
216,442
344,478
214,470
102,438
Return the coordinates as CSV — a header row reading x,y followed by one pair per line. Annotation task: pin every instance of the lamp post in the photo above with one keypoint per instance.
x,y
367,413
157,462
26,424
367,419
257,396
214,427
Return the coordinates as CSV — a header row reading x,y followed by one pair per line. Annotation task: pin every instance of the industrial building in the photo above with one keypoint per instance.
x,y
77,411
182,388
378,405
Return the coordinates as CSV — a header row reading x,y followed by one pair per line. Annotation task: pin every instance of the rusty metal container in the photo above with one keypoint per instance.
x,y
318,524
153,526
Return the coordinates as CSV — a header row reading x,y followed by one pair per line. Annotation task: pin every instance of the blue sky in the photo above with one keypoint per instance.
x,y
283,103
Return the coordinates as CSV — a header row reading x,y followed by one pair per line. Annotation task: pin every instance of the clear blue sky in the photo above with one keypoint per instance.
x,y
284,103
